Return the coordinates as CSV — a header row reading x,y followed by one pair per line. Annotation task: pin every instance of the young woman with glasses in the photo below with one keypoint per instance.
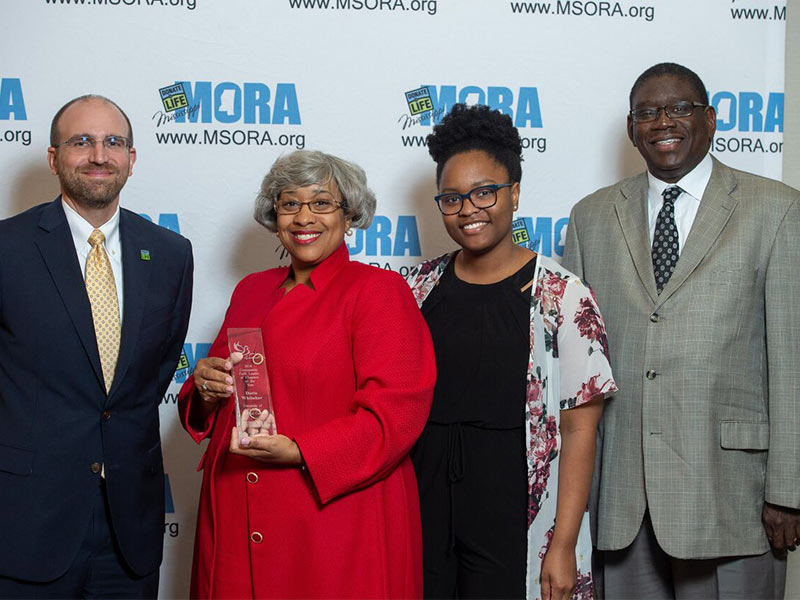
x,y
522,368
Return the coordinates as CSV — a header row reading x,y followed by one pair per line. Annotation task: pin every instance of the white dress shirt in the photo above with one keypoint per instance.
x,y
81,230
693,185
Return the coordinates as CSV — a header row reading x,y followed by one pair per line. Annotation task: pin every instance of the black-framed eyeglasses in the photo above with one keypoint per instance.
x,y
321,206
86,142
679,110
483,196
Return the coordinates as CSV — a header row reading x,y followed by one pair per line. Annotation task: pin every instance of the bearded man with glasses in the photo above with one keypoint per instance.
x,y
695,269
94,307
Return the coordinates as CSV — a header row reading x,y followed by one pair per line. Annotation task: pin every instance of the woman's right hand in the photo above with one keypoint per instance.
x,y
212,377
559,573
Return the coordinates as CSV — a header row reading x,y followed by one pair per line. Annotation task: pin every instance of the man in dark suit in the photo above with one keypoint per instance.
x,y
94,308
694,265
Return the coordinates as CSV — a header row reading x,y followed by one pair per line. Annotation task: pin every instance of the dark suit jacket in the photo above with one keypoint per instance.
x,y
55,417
704,427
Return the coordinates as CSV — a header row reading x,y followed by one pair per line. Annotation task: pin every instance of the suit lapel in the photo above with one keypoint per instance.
x,y
632,214
54,240
135,279
713,213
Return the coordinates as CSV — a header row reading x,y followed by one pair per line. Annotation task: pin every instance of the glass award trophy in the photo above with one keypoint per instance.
x,y
254,414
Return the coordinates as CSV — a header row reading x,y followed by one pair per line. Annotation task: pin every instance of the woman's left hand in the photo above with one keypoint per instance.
x,y
559,573
271,449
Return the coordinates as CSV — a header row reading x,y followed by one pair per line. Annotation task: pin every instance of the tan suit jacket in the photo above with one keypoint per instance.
x,y
706,425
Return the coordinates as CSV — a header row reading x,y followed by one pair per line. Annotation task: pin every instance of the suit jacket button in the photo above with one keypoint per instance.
x,y
252,477
651,374
96,468
106,415
655,318
256,537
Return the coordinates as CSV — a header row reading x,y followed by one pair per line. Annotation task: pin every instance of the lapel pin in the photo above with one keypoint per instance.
x,y
144,254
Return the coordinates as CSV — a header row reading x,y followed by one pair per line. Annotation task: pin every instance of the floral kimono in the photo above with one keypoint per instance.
x,y
568,366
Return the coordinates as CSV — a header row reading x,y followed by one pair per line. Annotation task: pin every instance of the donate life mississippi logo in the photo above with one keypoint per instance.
x,y
228,102
230,113
175,102
173,97
543,234
428,104
419,101
420,107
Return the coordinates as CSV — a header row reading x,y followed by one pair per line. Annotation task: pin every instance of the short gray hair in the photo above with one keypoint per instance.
x,y
309,167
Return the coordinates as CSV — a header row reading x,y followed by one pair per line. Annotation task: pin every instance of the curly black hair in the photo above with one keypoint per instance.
x,y
477,127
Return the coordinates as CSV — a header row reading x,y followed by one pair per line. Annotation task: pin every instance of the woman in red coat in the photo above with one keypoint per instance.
x,y
328,507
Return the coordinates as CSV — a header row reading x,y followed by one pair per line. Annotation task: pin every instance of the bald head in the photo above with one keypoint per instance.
x,y
55,137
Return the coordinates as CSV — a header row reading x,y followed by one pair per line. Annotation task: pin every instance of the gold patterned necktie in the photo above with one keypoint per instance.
x,y
102,293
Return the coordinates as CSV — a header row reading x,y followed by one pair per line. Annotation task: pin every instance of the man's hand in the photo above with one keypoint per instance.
x,y
782,526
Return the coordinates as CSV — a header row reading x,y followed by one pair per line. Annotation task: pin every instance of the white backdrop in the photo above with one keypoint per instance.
x,y
217,89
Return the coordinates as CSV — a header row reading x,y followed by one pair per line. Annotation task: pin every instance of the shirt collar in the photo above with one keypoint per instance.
x,y
693,183
81,229
326,270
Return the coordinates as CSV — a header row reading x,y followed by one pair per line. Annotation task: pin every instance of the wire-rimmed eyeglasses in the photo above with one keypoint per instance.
x,y
320,206
678,110
85,142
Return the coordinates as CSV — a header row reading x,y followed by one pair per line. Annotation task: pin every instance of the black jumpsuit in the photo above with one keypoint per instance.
x,y
470,459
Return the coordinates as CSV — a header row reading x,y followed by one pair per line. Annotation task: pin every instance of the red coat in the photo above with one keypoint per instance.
x,y
352,371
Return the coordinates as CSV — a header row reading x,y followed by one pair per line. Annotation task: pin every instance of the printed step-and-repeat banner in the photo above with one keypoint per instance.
x,y
218,89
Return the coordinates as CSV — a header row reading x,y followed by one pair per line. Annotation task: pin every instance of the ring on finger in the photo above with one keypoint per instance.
x,y
205,386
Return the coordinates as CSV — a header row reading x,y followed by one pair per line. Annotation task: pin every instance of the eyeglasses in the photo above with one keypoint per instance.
x,y
318,207
679,110
484,196
85,142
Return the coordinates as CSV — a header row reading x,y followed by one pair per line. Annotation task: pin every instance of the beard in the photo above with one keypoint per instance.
x,y
92,194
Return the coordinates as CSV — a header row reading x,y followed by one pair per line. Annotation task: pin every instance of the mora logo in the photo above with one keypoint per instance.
x,y
436,101
188,359
12,102
748,111
544,236
165,220
379,240
229,102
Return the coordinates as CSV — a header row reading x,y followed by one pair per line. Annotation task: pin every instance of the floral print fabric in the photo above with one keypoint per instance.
x,y
568,366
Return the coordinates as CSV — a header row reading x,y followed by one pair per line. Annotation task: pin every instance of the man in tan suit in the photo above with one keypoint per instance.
x,y
696,267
